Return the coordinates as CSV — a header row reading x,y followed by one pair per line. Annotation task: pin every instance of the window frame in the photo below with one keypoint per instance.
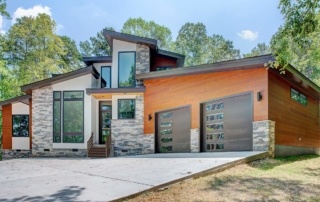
x,y
63,113
135,68
134,112
53,100
299,94
164,68
109,76
28,124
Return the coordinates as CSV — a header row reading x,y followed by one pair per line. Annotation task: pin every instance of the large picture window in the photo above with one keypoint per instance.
x,y
57,116
20,125
105,77
127,69
126,109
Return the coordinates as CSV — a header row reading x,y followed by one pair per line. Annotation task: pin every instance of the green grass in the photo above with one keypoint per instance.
x,y
295,178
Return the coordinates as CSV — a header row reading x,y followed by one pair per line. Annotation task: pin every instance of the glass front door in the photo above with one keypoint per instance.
x,y
105,116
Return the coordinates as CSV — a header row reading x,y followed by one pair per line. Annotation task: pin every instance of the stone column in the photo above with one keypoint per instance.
x,y
264,136
142,59
194,140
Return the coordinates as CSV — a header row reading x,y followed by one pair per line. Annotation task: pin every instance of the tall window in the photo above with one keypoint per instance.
x,y
20,125
105,77
126,109
73,117
57,116
127,69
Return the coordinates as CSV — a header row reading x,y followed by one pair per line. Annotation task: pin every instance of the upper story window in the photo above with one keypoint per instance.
x,y
299,97
105,77
161,68
127,69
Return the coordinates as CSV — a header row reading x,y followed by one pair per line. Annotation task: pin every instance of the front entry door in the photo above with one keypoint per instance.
x,y
105,116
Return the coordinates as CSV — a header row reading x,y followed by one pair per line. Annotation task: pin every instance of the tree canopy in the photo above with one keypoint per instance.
x,y
260,49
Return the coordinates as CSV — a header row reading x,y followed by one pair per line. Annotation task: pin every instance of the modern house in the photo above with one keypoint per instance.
x,y
142,100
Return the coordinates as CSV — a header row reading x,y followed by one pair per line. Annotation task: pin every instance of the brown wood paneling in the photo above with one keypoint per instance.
x,y
7,127
30,123
293,120
167,93
160,60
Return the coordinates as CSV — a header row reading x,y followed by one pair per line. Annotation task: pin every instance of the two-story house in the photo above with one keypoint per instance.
x,y
142,100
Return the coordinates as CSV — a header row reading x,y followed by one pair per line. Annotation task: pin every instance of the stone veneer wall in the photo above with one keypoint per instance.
x,y
12,154
142,59
264,136
127,134
42,141
194,140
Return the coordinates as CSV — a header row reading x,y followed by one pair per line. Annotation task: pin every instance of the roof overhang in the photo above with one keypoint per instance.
x,y
103,93
60,78
180,58
24,99
110,35
230,65
97,59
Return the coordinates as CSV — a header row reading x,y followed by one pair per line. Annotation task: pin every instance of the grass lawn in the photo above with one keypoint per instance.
x,y
283,179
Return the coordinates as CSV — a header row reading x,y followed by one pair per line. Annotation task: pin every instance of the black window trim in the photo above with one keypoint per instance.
x,y
76,99
28,124
135,68
110,76
166,67
299,93
134,115
53,100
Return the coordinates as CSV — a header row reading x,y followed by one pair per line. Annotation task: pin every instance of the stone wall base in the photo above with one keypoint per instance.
x,y
67,153
129,144
13,154
264,136
282,150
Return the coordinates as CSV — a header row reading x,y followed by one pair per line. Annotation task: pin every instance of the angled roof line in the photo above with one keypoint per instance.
x,y
15,99
95,59
63,77
109,35
229,65
180,57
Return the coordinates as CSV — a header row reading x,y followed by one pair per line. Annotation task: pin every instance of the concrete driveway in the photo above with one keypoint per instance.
x,y
40,179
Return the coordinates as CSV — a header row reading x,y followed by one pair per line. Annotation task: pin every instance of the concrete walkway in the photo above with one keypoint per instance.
x,y
102,179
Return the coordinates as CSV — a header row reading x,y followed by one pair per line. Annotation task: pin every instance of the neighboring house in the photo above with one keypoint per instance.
x,y
146,103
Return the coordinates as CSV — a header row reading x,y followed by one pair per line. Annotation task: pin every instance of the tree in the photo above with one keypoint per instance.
x,y
3,7
219,49
148,29
260,49
72,59
190,42
33,50
96,46
297,40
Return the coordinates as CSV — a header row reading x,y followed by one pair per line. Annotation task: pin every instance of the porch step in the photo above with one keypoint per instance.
x,y
97,152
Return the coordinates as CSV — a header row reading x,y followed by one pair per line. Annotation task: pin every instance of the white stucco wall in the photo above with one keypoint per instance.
x,y
119,46
19,108
80,83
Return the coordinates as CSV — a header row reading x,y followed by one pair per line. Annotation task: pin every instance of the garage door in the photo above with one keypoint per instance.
x,y
227,124
173,130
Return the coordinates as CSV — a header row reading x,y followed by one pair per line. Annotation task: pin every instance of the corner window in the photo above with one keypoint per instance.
x,y
126,109
73,117
20,125
56,116
106,77
161,68
299,97
126,69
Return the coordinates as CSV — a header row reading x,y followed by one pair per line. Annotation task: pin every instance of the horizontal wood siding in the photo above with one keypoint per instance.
x,y
7,127
293,120
159,60
167,93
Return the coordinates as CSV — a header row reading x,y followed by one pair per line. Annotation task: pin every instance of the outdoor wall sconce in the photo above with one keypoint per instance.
x,y
259,96
149,117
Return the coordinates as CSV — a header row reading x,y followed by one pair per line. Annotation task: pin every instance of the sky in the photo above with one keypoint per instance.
x,y
245,22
